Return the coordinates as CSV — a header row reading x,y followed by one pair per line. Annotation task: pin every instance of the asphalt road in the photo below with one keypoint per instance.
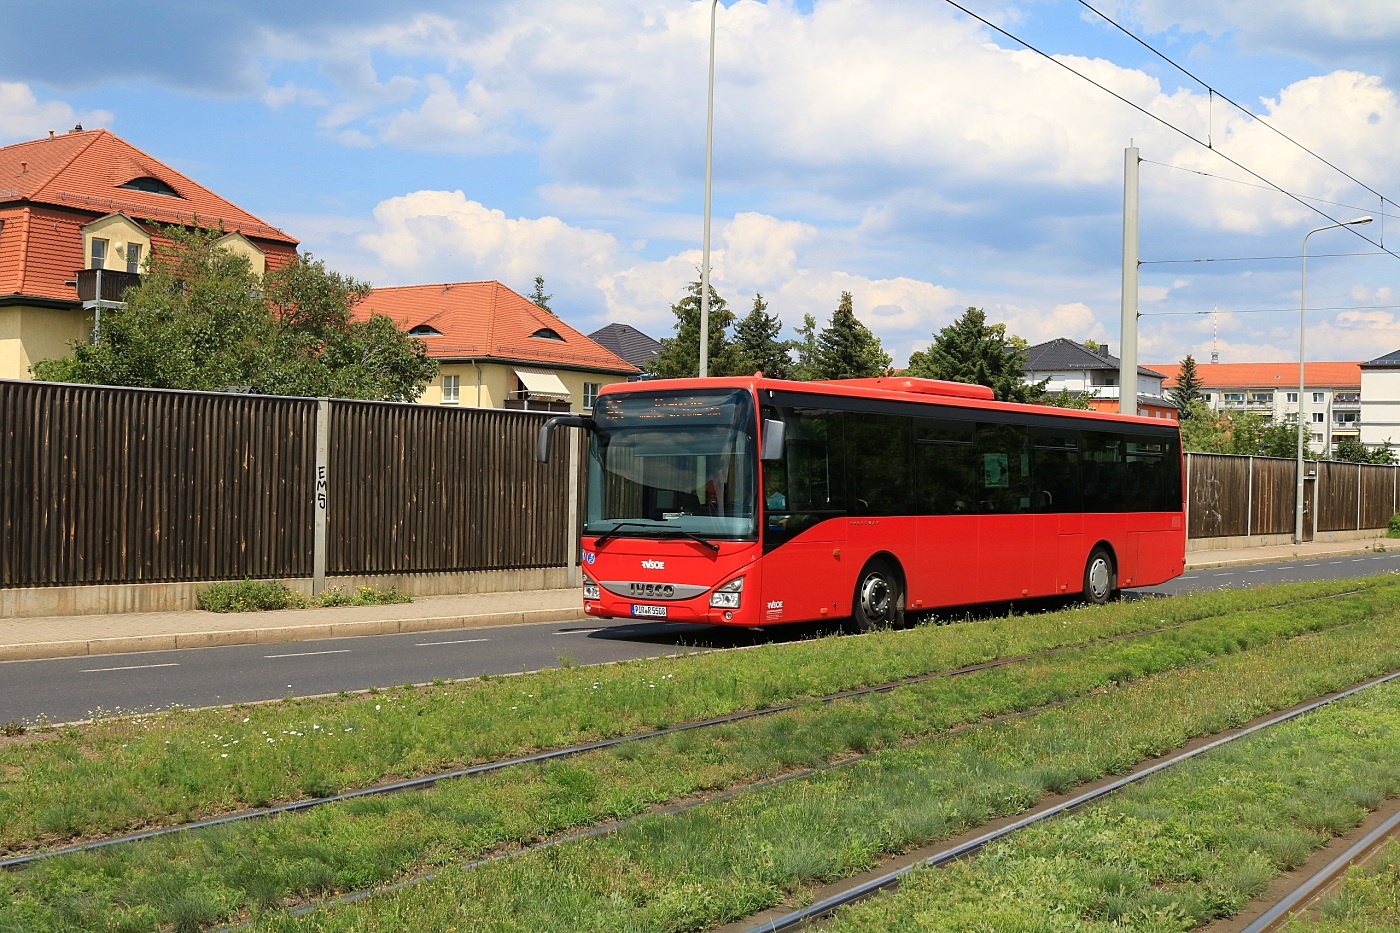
x,y
68,689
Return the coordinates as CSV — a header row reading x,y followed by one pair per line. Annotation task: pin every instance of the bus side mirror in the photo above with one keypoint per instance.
x,y
546,436
773,434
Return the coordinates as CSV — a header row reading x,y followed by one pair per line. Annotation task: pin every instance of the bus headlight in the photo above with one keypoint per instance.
x,y
590,588
727,596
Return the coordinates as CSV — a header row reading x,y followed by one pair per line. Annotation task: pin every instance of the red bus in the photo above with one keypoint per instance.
x,y
754,501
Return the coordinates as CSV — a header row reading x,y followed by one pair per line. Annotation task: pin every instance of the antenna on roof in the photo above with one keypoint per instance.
x,y
1215,337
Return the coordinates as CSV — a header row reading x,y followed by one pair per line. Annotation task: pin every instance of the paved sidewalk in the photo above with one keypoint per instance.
x,y
80,635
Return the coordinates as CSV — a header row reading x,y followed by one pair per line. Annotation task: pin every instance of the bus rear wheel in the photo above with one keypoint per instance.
x,y
879,599
1100,579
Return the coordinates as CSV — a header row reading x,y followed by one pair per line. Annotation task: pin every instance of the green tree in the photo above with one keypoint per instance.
x,y
1247,433
539,297
1063,399
1353,451
971,350
846,349
756,335
806,346
680,355
1188,387
201,319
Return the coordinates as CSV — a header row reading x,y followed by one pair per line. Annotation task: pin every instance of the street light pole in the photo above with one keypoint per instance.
x,y
1302,425
709,171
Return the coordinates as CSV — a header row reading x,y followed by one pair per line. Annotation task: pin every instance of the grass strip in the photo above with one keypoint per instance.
x,y
131,772
1185,847
1369,900
713,864
369,842
727,860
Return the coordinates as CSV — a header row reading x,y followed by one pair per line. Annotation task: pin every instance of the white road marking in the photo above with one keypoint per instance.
x,y
577,631
1256,571
307,654
460,641
1192,577
1223,575
1312,565
134,667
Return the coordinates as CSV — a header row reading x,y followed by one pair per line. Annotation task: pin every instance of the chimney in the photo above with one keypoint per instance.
x,y
1103,351
23,167
50,134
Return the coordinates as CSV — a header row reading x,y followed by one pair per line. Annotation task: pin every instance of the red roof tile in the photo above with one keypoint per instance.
x,y
83,170
1267,375
486,320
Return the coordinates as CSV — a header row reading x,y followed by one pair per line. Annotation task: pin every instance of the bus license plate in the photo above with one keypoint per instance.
x,y
654,612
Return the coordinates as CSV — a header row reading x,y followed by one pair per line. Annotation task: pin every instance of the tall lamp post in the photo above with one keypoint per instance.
x,y
1302,425
709,171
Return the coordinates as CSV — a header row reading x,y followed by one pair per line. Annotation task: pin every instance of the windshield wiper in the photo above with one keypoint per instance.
x,y
665,532
678,533
611,532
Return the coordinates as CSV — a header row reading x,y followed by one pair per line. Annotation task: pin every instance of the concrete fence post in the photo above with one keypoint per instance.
x,y
321,491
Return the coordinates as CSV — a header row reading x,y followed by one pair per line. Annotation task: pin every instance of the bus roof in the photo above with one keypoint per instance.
x,y
886,388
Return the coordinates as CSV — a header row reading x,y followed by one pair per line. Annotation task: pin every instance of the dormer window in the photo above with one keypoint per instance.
x,y
545,333
424,330
150,185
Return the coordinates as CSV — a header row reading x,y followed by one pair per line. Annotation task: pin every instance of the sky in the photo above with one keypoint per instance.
x,y
902,150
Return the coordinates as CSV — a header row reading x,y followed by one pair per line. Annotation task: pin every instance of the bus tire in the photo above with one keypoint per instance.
x,y
1100,577
879,598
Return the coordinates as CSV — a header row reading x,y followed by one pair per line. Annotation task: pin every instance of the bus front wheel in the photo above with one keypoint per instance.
x,y
879,599
1100,579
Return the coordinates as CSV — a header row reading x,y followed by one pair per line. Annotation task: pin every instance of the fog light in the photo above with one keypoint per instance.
x,y
727,596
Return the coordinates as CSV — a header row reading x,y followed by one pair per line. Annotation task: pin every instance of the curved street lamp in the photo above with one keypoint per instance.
x,y
1302,426
705,244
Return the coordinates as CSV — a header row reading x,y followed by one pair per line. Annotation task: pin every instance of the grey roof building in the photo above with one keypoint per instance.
x,y
627,342
1079,370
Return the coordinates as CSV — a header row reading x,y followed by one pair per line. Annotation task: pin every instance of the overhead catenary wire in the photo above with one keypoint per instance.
x,y
1240,107
1240,181
1173,127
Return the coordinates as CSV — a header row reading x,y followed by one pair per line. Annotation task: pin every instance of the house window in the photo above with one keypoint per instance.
x,y
1318,398
1234,397
547,333
1349,398
1317,438
1318,417
99,254
1261,397
1291,418
1347,417
133,257
590,394
451,389
1293,398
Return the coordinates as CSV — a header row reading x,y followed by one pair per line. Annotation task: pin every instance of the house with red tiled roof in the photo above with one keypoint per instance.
x,y
496,348
1331,394
85,207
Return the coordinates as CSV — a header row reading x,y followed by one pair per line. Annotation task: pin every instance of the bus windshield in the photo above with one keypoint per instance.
x,y
673,464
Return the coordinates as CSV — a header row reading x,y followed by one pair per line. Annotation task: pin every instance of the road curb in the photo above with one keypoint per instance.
x,y
274,634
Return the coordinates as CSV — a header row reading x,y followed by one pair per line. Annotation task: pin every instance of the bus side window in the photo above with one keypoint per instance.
x,y
1055,471
816,465
877,449
1003,452
945,468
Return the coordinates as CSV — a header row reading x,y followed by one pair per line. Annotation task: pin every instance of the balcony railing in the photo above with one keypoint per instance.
x,y
114,284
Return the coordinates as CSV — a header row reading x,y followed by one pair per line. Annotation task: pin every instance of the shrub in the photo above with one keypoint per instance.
x,y
248,596
1394,531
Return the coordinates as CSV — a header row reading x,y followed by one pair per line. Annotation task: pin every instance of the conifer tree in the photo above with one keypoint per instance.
x,y
539,297
680,355
756,336
846,349
1188,387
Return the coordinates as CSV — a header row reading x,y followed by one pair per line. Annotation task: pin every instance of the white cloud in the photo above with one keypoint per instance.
x,y
23,116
